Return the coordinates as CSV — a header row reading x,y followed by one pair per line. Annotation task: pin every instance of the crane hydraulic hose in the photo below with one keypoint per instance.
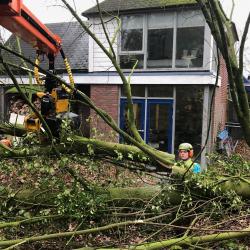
x,y
36,71
68,68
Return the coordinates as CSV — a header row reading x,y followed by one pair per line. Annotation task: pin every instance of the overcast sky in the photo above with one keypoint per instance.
x,y
51,11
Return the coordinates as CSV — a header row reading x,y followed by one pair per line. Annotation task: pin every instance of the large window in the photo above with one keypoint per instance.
x,y
132,42
132,32
136,91
160,40
150,91
163,40
189,40
188,119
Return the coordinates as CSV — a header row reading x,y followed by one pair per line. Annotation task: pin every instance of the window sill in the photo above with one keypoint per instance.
x,y
167,69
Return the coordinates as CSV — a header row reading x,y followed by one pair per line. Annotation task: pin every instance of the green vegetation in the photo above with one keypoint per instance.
x,y
119,208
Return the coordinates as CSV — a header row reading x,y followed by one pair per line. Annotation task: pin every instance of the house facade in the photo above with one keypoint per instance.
x,y
172,83
75,46
233,124
174,78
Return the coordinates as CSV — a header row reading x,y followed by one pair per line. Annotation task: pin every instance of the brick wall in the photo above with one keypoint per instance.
x,y
219,116
2,103
105,97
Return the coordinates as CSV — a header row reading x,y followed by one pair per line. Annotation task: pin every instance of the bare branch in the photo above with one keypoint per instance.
x,y
158,156
31,105
242,44
126,85
232,10
105,30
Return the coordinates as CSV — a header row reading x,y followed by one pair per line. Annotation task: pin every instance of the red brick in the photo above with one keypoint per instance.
x,y
219,110
105,97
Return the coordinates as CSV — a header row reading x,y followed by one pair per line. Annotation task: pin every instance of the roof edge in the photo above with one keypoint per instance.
x,y
139,10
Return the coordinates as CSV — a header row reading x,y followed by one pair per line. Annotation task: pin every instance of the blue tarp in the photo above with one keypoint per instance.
x,y
223,135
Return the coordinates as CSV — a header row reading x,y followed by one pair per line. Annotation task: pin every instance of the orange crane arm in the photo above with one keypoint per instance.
x,y
18,19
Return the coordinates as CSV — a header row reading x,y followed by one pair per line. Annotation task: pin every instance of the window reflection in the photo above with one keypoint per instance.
x,y
189,109
138,109
158,126
158,33
160,91
132,33
160,48
132,40
129,61
136,91
189,51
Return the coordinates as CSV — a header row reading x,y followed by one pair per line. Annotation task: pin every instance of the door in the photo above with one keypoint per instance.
x,y
159,124
154,115
139,112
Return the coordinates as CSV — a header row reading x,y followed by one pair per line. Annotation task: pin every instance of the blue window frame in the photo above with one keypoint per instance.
x,y
154,121
160,111
139,115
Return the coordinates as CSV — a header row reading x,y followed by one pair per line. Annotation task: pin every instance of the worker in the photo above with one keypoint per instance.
x,y
185,153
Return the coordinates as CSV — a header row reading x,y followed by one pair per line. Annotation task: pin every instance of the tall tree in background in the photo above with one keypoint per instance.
x,y
222,29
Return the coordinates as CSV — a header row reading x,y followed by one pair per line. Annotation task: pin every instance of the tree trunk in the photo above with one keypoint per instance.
x,y
79,144
182,241
12,130
146,193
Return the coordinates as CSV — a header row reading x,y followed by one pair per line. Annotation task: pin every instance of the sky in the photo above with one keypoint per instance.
x,y
52,11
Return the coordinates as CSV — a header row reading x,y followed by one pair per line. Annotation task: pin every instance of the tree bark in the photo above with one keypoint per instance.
x,y
9,129
117,195
183,241
223,32
170,193
81,144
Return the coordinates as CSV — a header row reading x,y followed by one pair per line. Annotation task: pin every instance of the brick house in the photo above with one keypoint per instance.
x,y
75,46
233,124
175,75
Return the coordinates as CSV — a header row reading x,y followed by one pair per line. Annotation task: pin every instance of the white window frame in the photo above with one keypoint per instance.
x,y
143,52
135,52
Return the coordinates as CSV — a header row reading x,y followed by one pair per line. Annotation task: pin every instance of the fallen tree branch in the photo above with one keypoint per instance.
x,y
79,144
6,243
29,221
15,130
182,241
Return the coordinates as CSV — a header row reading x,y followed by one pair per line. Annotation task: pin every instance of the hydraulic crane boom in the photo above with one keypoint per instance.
x,y
18,19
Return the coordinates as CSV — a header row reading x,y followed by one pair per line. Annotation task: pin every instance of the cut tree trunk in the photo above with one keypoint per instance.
x,y
116,195
146,193
80,144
